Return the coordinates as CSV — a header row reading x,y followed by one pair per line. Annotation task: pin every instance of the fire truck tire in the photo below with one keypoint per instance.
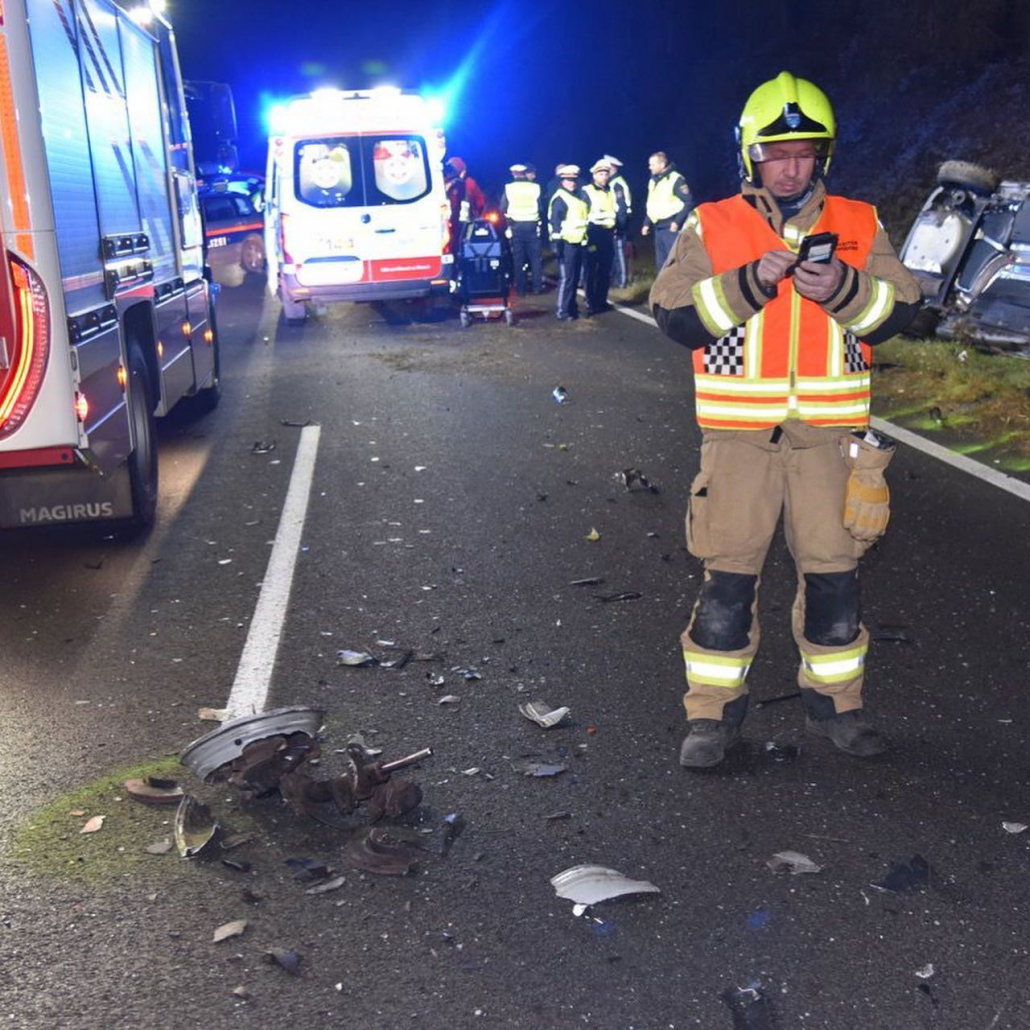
x,y
143,459
207,399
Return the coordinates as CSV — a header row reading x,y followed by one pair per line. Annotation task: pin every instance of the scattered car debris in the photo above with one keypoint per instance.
x,y
297,425
154,792
159,847
590,884
263,447
233,929
589,581
359,740
94,824
749,1007
469,675
235,841
890,635
237,866
214,714
239,991
593,536
330,885
560,394
435,679
399,662
374,850
529,767
625,595
906,876
308,868
543,714
781,752
794,861
759,919
634,479
286,958
355,659
553,816
453,825
195,827
926,972
1013,827
449,699
777,699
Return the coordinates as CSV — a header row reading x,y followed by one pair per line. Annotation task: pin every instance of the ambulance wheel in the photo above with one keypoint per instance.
x,y
465,318
143,459
252,254
509,317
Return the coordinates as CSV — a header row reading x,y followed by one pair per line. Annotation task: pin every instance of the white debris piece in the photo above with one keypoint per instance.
x,y
589,884
926,972
794,861
1013,827
543,714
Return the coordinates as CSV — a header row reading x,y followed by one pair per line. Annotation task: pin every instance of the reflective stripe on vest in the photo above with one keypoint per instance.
x,y
620,181
791,360
523,201
602,206
574,227
662,202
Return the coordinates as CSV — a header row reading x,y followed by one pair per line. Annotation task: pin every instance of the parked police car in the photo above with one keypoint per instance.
x,y
970,248
234,226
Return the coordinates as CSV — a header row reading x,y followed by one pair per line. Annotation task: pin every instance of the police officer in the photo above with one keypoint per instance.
x,y
567,223
782,352
624,199
602,216
520,204
669,201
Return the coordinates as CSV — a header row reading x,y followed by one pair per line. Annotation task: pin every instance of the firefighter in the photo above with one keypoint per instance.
x,y
567,222
669,201
602,217
781,355
520,204
624,198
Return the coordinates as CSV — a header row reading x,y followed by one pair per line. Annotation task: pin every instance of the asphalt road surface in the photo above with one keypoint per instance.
x,y
450,510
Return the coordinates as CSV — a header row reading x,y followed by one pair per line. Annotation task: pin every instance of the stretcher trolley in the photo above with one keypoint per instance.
x,y
484,272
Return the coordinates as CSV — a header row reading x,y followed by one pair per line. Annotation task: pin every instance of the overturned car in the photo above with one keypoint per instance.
x,y
970,249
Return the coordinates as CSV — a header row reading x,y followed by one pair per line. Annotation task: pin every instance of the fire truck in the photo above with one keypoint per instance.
x,y
106,317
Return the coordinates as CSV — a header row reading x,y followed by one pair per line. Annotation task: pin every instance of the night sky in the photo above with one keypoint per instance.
x,y
545,82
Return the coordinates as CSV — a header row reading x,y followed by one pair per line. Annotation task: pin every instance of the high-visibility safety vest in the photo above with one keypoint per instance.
x,y
662,202
791,360
618,180
602,206
523,201
574,226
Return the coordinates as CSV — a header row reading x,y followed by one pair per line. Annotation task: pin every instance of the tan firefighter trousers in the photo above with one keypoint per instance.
x,y
747,479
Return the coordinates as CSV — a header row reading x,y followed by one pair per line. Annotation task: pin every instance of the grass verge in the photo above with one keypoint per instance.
x,y
981,402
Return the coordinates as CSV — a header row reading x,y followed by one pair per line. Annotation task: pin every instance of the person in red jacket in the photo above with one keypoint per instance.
x,y
464,195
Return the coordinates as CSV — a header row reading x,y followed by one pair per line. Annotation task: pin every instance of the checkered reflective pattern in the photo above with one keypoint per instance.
x,y
725,357
854,360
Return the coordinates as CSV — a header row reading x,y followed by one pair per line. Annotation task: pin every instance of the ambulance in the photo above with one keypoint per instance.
x,y
106,317
355,203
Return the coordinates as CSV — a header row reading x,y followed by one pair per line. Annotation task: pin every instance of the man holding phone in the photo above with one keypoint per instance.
x,y
780,292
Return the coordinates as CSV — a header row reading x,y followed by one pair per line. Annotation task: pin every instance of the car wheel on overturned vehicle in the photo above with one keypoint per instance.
x,y
252,254
969,176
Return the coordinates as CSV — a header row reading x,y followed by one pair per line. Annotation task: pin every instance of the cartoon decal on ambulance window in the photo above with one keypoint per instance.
x,y
400,168
325,176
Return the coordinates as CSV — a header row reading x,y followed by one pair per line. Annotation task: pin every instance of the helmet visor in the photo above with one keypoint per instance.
x,y
818,149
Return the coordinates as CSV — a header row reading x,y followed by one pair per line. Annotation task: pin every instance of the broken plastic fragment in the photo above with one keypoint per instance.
x,y
906,876
593,535
560,394
589,581
634,479
261,447
286,958
1013,827
308,868
435,679
375,850
236,840
214,714
794,861
94,824
236,866
926,972
194,826
149,794
590,884
233,929
781,752
624,595
543,714
453,825
159,847
449,699
330,885
356,659
749,1007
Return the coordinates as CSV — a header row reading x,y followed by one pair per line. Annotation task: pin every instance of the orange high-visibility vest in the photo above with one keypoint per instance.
x,y
791,360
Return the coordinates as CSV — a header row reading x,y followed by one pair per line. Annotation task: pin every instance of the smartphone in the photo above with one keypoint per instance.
x,y
818,248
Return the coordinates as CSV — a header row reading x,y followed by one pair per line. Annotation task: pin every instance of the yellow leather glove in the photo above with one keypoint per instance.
x,y
867,497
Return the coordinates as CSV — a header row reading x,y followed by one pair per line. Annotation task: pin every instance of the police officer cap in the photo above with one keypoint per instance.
x,y
600,166
613,161
515,169
568,172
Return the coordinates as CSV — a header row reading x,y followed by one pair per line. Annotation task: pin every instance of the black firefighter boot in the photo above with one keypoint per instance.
x,y
850,731
708,740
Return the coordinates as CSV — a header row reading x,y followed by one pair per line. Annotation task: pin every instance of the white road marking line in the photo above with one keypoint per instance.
x,y
254,673
1010,484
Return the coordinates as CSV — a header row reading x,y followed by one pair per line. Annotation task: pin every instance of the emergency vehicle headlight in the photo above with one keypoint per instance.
x,y
436,109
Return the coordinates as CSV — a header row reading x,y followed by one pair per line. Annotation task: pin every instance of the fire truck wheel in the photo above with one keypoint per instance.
x,y
143,459
207,399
